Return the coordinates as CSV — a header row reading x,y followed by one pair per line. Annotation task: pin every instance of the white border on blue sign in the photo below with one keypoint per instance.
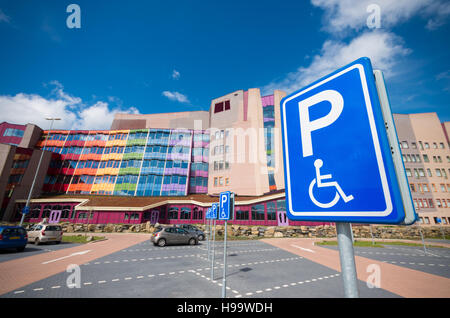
x,y
376,143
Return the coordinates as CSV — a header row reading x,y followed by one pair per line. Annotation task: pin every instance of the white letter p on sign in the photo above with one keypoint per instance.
x,y
307,126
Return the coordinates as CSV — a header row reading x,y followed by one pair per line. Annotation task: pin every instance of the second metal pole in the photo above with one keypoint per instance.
x,y
224,281
213,251
346,254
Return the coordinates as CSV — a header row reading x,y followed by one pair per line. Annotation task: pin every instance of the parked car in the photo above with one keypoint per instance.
x,y
193,229
173,235
43,233
13,237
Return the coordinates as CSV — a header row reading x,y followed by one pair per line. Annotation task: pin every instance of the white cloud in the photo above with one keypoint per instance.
x,y
4,17
32,108
175,74
176,96
383,48
344,15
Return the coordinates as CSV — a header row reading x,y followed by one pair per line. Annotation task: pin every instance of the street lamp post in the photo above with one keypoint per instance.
x,y
38,166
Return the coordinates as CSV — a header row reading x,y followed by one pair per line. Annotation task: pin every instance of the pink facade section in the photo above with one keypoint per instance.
x,y
267,100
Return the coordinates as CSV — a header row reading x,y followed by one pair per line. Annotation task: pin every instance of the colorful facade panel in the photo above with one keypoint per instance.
x,y
143,162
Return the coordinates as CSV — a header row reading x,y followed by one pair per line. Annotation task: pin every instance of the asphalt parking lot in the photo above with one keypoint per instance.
x,y
434,261
254,269
32,249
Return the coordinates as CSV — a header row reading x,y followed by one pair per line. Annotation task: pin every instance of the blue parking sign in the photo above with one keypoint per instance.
x,y
224,205
26,210
214,209
337,158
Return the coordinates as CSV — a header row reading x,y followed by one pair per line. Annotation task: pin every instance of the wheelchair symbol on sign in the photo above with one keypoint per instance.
x,y
320,184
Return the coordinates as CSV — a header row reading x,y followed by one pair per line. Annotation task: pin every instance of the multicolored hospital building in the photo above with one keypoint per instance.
x,y
170,167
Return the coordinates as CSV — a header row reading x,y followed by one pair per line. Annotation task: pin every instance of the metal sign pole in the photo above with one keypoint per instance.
x,y
213,250
347,257
351,231
209,234
371,234
224,281
423,241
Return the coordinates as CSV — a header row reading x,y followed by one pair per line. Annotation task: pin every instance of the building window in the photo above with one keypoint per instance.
x,y
11,132
413,189
421,172
427,146
425,158
441,145
198,214
404,144
408,173
65,212
427,220
173,213
430,203
185,214
218,107
271,212
227,105
241,215
413,145
258,212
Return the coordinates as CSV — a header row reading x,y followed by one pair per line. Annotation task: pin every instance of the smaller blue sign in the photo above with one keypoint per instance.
x,y
224,205
26,210
208,214
214,209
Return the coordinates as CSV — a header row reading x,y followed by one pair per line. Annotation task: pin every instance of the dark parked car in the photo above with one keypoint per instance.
x,y
192,229
13,237
173,235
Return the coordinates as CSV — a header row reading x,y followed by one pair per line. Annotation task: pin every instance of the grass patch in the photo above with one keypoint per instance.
x,y
237,238
356,243
411,244
80,238
377,244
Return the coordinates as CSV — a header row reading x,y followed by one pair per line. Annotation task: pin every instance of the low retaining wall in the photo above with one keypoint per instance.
x,y
322,231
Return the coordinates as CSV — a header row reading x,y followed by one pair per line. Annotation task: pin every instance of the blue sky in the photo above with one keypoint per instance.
x,y
166,56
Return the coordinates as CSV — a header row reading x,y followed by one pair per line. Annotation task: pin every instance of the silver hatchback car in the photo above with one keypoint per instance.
x,y
173,235
43,233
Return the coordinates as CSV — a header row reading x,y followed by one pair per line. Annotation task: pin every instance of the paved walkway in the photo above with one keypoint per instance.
x,y
399,280
17,273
